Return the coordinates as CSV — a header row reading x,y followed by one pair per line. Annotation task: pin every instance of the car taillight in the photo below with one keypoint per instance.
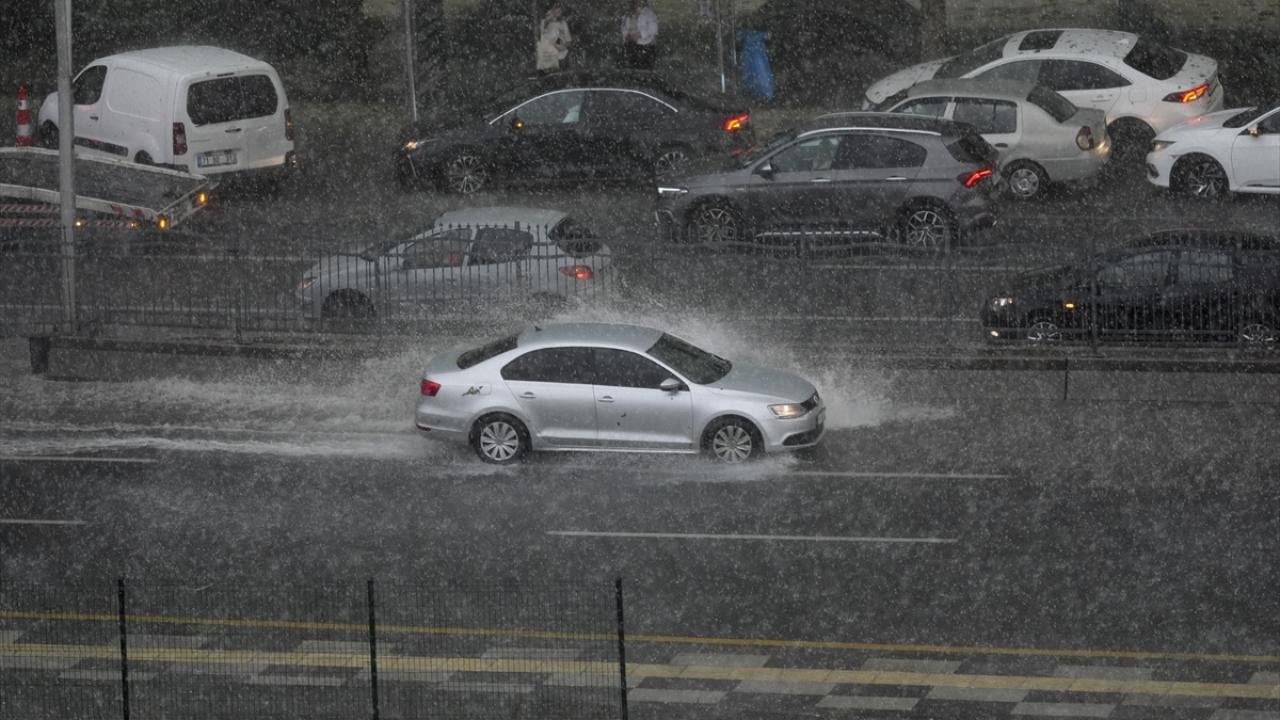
x,y
975,177
1084,139
179,139
1186,96
288,125
579,272
430,388
737,122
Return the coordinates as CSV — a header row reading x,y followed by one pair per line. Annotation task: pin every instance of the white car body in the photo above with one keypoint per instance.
x,y
1244,142
1016,119
469,258
1087,67
198,109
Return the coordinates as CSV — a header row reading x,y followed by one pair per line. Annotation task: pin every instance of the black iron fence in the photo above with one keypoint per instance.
x,y
1118,282
136,651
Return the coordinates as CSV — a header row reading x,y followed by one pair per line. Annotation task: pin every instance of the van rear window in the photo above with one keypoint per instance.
x,y
230,99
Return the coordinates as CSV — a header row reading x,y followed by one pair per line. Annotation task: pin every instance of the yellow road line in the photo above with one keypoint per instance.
x,y
654,639
424,664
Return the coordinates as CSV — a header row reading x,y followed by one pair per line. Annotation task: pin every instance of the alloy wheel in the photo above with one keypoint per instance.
x,y
1024,182
1256,333
466,174
927,228
499,441
1205,178
670,160
1044,331
716,224
731,444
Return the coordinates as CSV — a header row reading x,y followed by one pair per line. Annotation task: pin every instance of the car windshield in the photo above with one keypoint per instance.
x,y
382,247
1058,107
1155,60
776,141
696,364
963,64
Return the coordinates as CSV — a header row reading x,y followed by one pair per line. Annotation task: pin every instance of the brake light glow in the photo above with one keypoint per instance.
x,y
1186,96
288,125
737,122
578,272
430,388
179,139
975,177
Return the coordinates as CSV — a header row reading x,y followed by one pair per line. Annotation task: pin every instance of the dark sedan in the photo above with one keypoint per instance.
x,y
577,127
1185,285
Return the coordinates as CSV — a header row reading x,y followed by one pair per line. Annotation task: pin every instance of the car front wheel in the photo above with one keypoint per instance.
x,y
714,224
1201,176
732,441
500,439
466,173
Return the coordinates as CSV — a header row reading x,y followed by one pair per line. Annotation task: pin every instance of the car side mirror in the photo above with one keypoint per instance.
x,y
1255,131
517,123
765,170
671,385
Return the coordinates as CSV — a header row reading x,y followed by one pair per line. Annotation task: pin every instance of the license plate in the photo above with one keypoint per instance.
x,y
215,158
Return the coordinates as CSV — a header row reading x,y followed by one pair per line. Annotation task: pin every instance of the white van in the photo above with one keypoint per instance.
x,y
198,109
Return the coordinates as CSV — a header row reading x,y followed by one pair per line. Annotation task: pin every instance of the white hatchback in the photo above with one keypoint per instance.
x,y
1230,151
1142,86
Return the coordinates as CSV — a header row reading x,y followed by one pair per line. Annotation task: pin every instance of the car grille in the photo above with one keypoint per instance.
x,y
811,403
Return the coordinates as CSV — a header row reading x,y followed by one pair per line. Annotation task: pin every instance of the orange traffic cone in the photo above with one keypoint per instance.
x,y
25,136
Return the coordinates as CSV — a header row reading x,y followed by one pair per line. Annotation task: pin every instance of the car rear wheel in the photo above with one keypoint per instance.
x,y
348,305
732,441
670,160
1259,333
466,173
926,227
500,439
1200,176
714,224
1043,330
49,136
1026,179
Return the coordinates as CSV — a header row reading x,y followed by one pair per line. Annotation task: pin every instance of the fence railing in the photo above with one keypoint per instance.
x,y
134,651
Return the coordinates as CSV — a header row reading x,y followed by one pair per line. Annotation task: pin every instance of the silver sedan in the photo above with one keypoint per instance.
x,y
600,387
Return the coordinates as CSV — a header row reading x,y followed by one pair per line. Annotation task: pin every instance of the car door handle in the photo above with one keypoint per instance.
x,y
234,130
606,398
896,178
1002,145
528,395
93,117
820,180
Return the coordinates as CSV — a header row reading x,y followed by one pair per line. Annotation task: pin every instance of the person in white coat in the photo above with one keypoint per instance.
x,y
553,39
640,36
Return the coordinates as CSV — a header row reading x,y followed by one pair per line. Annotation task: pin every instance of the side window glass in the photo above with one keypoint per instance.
x,y
877,152
497,245
1198,267
622,106
812,155
87,87
620,368
926,107
561,108
552,365
1146,270
988,116
1271,125
1020,70
1068,75
433,253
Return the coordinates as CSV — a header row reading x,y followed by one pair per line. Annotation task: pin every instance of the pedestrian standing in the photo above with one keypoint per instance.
x,y
640,36
553,39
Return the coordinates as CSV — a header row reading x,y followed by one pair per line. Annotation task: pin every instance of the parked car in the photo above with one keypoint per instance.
x,y
1220,153
613,387
1142,86
921,181
574,126
1042,137
1185,284
198,109
508,256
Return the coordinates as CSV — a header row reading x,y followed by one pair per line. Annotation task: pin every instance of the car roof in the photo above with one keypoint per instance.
x,y
1012,90
631,337
603,78
1072,41
187,59
880,121
502,216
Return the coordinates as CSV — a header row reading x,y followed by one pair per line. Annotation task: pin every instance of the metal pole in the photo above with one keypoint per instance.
x,y
66,171
406,7
373,653
124,652
720,46
622,646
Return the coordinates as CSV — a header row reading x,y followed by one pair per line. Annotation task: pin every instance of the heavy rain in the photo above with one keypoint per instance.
x,y
654,359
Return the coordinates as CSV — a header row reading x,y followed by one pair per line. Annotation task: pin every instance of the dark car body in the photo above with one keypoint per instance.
x,y
1206,285
574,126
853,174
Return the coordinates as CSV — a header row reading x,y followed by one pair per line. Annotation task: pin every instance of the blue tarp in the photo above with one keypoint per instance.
x,y
753,63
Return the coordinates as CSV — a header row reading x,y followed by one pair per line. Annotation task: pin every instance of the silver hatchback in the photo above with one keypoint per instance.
x,y
595,386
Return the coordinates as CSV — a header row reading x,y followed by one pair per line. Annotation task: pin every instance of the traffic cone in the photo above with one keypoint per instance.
x,y
25,136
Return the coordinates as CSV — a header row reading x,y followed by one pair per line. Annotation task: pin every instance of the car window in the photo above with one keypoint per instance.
x,y
1144,270
1201,267
87,87
487,351
1058,107
1067,75
970,147
693,362
988,116
573,238
621,368
815,154
551,365
622,106
1017,70
229,99
433,253
1271,125
1040,40
961,65
927,107
497,245
866,151
560,108
1155,60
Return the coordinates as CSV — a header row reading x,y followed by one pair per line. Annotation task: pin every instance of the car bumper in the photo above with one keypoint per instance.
x,y
1160,168
1083,167
802,432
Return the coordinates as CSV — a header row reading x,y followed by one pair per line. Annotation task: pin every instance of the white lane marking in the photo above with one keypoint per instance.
x,y
27,521
901,475
782,538
74,458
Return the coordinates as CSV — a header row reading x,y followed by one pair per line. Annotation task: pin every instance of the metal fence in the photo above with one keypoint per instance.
x,y
1116,282
137,651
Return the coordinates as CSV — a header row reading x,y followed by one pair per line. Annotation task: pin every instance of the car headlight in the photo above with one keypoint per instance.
x,y
1158,145
1001,303
787,411
306,282
414,144
671,191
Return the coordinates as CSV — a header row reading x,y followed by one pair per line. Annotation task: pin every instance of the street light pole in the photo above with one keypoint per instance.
x,y
410,67
66,170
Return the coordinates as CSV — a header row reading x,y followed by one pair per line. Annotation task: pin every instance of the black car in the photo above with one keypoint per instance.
x,y
575,126
1204,285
